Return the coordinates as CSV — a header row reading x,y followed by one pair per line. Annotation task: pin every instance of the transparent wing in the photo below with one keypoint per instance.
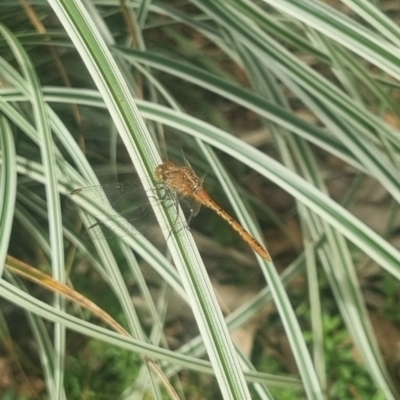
x,y
127,205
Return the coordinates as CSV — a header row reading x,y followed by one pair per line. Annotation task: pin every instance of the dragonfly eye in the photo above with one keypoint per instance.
x,y
163,169
159,172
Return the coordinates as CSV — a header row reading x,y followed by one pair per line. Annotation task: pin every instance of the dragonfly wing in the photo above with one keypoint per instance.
x,y
190,208
140,220
195,208
125,206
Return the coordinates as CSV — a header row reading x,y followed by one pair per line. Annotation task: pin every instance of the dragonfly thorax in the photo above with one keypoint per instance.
x,y
182,180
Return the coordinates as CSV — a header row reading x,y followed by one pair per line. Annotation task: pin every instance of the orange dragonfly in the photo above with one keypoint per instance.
x,y
185,183
128,204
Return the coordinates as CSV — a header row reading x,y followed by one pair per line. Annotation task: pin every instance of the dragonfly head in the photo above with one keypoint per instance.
x,y
163,170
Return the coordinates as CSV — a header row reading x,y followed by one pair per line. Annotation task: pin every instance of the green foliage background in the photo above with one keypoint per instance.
x,y
125,78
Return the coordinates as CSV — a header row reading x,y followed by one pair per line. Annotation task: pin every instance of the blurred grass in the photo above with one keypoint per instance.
x,y
320,86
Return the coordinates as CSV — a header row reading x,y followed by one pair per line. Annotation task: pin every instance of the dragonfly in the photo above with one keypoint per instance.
x,y
179,182
185,183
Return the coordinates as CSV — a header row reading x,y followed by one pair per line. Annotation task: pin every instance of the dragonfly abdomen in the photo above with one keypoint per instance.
x,y
203,198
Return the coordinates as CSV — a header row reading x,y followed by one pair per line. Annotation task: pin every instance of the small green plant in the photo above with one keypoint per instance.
x,y
100,371
347,378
